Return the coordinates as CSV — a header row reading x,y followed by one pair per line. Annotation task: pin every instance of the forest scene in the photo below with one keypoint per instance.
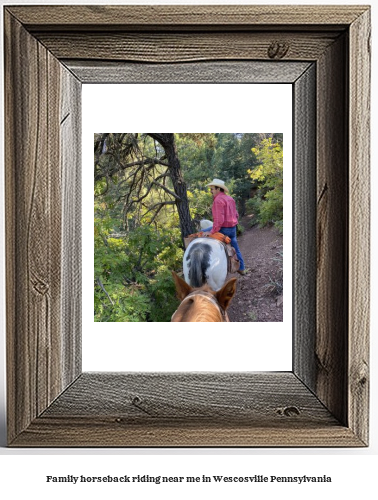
x,y
150,193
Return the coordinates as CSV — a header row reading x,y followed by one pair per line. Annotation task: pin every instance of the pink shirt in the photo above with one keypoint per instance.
x,y
224,212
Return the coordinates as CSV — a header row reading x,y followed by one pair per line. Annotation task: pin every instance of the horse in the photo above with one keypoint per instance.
x,y
205,261
202,304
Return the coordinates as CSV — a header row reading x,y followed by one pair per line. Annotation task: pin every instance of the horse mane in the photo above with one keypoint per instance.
x,y
199,257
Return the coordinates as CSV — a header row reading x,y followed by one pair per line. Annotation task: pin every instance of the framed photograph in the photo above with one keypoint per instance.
x,y
127,292
324,53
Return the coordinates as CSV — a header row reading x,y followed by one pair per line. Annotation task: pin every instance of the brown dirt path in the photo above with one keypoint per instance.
x,y
259,295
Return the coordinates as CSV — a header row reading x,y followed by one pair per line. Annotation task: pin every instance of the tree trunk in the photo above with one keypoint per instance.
x,y
179,186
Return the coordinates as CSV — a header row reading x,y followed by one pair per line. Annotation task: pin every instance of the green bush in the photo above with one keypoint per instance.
x,y
267,205
133,280
240,229
271,209
128,304
161,289
253,209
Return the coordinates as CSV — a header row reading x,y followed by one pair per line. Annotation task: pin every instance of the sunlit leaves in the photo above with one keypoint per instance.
x,y
268,175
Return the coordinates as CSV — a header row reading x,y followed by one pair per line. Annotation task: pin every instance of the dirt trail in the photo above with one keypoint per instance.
x,y
259,295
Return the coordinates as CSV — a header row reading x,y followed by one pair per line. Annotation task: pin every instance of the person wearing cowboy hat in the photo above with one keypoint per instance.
x,y
225,216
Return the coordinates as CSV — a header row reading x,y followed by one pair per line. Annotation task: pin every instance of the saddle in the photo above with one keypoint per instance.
x,y
233,263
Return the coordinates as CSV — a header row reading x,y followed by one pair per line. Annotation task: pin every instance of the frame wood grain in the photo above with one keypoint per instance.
x,y
323,51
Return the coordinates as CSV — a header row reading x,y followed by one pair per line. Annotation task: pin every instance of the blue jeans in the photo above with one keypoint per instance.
x,y
231,233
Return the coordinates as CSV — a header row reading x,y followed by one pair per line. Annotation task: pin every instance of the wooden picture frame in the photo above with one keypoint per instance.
x,y
324,51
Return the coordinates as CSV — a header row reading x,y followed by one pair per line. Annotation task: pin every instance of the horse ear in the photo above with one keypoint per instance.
x,y
182,287
225,294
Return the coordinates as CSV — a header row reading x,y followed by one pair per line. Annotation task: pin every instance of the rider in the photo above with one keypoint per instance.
x,y
225,217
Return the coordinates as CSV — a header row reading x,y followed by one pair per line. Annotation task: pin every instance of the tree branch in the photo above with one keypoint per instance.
x,y
103,289
166,190
138,200
160,205
146,161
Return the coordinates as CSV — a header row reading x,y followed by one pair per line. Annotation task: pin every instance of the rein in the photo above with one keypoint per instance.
x,y
209,296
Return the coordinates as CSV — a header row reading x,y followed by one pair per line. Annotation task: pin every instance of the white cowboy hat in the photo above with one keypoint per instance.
x,y
218,183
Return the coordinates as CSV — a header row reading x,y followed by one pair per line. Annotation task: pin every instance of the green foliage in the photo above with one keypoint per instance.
x,y
196,152
134,271
136,223
126,305
228,157
162,292
240,229
200,204
267,205
271,210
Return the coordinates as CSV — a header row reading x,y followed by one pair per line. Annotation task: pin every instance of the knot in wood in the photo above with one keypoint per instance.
x,y
278,50
288,411
41,287
139,403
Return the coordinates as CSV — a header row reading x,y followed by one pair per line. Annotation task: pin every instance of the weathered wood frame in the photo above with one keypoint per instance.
x,y
49,53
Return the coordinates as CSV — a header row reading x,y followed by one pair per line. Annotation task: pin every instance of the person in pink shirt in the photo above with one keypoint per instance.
x,y
225,217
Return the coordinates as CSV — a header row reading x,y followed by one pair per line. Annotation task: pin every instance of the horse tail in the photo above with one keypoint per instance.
x,y
198,262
